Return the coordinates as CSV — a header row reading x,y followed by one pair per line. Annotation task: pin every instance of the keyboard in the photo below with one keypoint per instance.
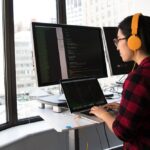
x,y
87,113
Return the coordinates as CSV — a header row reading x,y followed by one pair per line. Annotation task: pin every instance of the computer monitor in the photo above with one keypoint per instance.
x,y
67,51
117,66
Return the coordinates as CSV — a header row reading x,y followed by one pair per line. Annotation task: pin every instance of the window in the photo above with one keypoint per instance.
x,y
16,54
94,9
25,12
2,88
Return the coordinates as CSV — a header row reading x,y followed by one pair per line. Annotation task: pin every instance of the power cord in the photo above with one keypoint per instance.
x,y
120,80
104,125
99,136
87,146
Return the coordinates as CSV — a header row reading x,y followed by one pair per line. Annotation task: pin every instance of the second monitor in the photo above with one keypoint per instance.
x,y
117,66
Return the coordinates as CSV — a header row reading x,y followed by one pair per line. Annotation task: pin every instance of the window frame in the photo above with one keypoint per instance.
x,y
9,59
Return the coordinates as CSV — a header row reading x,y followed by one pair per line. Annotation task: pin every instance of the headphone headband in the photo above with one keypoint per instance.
x,y
134,42
134,25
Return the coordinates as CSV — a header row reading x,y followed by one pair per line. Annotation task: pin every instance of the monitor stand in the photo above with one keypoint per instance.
x,y
58,102
61,93
62,97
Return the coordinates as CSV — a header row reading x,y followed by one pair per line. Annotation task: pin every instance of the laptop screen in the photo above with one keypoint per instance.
x,y
82,94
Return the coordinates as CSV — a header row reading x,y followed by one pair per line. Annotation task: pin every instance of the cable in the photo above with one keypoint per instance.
x,y
82,132
122,77
87,146
134,65
114,88
99,137
106,135
119,81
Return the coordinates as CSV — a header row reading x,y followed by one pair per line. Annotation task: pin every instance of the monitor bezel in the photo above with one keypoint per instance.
x,y
34,24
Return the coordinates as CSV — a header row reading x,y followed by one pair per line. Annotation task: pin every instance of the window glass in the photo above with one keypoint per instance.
x,y
2,88
103,13
25,12
109,12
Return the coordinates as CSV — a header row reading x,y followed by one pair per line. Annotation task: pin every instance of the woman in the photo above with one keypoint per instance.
x,y
132,123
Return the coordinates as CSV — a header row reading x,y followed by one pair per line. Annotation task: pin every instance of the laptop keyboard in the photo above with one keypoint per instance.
x,y
110,111
87,113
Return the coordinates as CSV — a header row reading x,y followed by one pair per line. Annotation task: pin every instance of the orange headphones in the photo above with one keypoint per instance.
x,y
134,42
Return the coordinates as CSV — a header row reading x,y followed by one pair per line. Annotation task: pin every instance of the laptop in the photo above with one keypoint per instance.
x,y
82,94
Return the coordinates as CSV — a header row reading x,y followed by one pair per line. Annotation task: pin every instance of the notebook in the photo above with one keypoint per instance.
x,y
82,94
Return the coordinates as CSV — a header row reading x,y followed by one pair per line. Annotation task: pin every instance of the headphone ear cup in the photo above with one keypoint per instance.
x,y
134,42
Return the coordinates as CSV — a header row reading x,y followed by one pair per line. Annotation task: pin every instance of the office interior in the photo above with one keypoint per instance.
x,y
27,120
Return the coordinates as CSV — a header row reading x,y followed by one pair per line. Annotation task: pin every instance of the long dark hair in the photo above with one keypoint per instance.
x,y
143,30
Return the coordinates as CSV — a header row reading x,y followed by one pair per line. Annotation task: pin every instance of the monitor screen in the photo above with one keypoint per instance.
x,y
118,67
67,51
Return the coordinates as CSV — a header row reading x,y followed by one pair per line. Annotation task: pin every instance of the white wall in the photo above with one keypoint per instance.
x,y
141,6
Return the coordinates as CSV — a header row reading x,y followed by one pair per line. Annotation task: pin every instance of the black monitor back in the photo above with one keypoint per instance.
x,y
118,67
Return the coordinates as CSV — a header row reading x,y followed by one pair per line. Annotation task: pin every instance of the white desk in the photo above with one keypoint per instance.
x,y
65,121
79,129
41,135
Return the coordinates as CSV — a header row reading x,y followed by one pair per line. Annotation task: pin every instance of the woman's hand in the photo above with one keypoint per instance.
x,y
98,111
113,106
102,113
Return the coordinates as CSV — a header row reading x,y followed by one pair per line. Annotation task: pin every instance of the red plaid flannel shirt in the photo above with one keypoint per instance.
x,y
132,124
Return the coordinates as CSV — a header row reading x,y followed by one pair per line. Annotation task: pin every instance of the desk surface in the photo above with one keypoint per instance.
x,y
55,101
67,121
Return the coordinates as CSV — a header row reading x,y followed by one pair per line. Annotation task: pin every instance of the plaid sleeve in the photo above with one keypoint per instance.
x,y
127,122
